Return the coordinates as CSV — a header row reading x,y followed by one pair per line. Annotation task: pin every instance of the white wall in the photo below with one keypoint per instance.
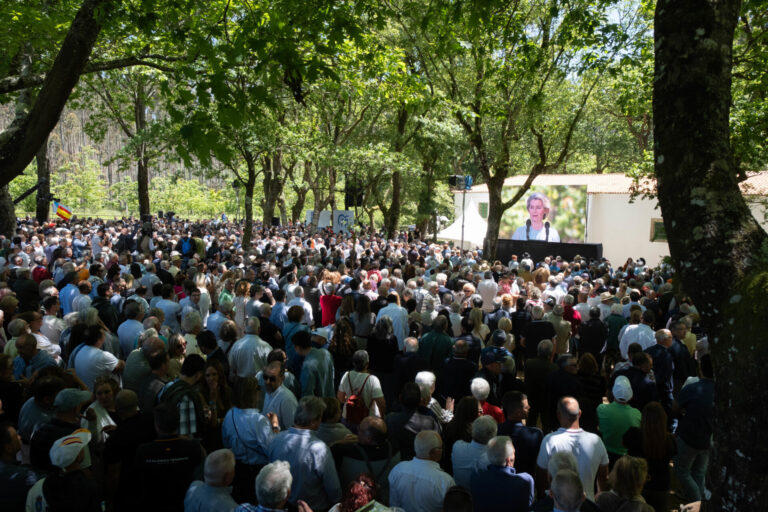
x,y
624,228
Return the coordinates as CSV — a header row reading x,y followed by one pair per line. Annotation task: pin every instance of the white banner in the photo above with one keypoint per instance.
x,y
323,222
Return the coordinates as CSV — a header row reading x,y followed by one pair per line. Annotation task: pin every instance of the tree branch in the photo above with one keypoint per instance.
x,y
19,82
21,140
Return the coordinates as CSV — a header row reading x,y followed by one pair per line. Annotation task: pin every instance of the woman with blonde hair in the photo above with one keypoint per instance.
x,y
627,480
480,329
242,290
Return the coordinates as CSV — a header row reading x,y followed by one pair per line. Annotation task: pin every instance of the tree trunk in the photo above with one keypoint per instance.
x,y
142,175
283,209
250,161
142,179
717,247
495,212
7,213
392,215
20,141
43,204
273,186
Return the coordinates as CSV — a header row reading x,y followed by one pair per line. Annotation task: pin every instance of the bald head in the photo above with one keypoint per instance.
x,y
568,412
664,337
373,431
126,403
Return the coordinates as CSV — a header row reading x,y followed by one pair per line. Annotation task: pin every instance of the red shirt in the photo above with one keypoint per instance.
x,y
493,411
328,305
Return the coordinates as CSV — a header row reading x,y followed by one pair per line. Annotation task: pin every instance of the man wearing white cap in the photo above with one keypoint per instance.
x,y
617,417
72,484
68,404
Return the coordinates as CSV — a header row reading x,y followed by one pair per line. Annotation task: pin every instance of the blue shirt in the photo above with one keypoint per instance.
x,y
215,321
66,296
248,434
314,473
128,333
500,488
202,497
279,315
39,361
317,374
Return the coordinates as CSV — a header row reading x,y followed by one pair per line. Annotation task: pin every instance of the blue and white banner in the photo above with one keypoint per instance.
x,y
343,220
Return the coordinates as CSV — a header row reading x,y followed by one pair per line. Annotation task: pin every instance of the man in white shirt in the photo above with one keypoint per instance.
x,y
249,354
399,317
590,452
299,301
641,333
91,361
170,308
52,326
487,289
419,485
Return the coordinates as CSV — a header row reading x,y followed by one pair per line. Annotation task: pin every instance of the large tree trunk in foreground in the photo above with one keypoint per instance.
x,y
44,178
716,245
21,140
7,213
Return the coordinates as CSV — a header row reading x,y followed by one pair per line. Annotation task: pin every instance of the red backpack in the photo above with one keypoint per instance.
x,y
357,410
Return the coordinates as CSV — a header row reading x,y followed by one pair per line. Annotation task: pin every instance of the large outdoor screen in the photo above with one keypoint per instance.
x,y
563,207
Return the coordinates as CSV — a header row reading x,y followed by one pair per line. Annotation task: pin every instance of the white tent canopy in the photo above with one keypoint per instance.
x,y
474,229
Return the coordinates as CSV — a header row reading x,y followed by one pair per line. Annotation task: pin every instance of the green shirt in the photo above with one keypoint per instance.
x,y
614,420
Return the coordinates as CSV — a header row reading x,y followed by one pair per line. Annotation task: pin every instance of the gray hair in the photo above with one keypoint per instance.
x,y
480,388
360,360
192,321
544,349
484,429
426,382
71,319
217,465
252,325
537,312
273,484
411,344
425,442
310,408
562,460
538,196
567,490
499,449
89,316
226,306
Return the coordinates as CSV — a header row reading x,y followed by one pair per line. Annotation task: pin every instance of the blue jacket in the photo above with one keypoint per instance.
x,y
501,489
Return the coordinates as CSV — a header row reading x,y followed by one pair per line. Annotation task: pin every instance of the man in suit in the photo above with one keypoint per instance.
x,y
527,440
500,487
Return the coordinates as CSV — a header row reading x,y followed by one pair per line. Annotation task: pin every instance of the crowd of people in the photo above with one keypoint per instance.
x,y
165,366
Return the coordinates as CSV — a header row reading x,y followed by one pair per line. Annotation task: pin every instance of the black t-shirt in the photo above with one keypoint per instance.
x,y
42,440
10,394
73,491
534,332
121,449
165,469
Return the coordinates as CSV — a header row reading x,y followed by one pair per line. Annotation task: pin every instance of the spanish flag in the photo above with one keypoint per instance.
x,y
62,211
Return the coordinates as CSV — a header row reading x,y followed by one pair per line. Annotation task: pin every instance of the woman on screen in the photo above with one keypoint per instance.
x,y
536,227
